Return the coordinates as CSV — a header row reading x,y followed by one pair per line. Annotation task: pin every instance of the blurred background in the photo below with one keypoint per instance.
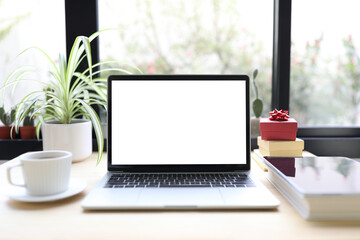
x,y
208,36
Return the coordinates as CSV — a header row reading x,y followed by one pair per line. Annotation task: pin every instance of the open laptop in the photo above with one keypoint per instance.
x,y
178,142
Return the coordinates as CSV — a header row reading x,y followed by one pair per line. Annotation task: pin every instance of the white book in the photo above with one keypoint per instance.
x,y
321,188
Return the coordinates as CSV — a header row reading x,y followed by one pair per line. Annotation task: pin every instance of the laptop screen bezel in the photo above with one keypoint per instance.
x,y
178,167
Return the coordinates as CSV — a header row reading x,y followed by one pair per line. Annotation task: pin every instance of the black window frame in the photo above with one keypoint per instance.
x,y
82,19
322,141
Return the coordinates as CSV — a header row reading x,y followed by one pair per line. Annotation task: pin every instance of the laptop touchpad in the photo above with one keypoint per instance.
x,y
180,197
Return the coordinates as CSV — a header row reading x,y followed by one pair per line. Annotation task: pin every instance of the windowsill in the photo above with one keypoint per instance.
x,y
17,147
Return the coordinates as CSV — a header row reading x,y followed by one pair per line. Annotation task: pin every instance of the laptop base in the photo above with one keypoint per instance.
x,y
102,198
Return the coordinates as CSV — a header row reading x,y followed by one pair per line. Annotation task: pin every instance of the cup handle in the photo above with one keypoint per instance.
x,y
9,175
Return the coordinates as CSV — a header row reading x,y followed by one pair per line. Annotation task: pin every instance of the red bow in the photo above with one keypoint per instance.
x,y
277,115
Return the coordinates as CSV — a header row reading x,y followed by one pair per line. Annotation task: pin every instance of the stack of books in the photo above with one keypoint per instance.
x,y
321,188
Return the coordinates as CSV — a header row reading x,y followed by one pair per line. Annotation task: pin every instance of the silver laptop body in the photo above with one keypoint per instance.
x,y
182,126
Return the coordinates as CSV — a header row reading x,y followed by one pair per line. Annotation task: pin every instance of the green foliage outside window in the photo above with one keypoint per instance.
x,y
325,91
177,37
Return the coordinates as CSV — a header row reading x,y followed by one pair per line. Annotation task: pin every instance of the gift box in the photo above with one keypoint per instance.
x,y
280,153
278,130
279,148
281,145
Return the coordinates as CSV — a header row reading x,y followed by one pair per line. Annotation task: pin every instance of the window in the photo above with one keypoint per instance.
x,y
320,140
180,36
155,49
25,24
325,64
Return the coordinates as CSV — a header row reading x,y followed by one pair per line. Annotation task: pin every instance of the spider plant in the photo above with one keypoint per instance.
x,y
69,94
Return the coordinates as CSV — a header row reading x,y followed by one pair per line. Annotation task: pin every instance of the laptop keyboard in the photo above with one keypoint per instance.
x,y
165,180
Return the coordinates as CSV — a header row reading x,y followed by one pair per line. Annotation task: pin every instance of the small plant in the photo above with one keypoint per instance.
x,y
257,104
7,118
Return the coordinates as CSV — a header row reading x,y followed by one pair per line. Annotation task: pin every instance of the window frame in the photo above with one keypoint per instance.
x,y
83,25
336,141
322,141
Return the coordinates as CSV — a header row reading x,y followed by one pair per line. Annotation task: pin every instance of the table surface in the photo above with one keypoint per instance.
x,y
65,219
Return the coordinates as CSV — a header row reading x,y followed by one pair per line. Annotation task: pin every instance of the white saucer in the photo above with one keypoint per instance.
x,y
75,186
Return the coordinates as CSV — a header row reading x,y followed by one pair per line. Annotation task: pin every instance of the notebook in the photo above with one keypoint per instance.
x,y
178,142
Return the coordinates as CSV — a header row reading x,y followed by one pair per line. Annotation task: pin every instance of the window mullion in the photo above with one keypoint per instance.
x,y
281,55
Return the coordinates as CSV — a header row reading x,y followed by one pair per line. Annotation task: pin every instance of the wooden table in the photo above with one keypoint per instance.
x,y
65,219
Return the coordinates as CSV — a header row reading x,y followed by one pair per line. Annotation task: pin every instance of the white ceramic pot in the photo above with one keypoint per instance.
x,y
75,138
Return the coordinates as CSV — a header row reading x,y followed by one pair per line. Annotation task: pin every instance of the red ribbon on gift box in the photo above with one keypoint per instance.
x,y
277,115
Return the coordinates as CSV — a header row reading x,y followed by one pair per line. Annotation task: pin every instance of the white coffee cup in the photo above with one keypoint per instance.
x,y
44,172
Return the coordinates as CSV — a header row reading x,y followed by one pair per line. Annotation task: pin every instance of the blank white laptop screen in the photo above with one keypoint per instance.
x,y
178,122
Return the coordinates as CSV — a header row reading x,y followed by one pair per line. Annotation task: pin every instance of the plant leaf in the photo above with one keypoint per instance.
x,y
97,128
257,107
255,73
86,44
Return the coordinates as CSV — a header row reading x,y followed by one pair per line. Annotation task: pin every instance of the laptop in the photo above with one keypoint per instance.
x,y
178,142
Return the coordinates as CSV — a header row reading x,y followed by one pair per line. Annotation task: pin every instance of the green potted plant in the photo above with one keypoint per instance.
x,y
64,108
257,107
7,118
28,129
